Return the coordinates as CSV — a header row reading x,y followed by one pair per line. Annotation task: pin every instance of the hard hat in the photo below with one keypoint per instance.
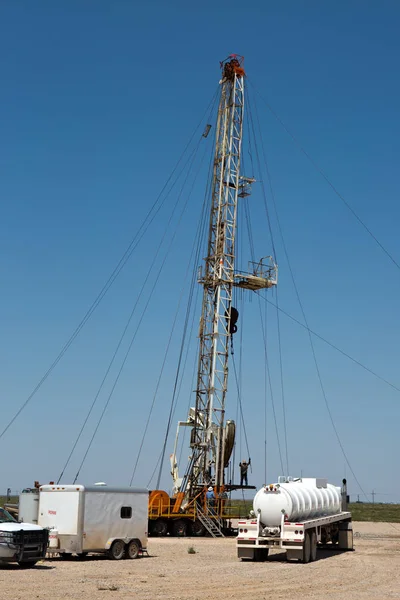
x,y
210,489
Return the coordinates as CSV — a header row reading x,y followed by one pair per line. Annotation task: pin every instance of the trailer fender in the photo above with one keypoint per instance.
x,y
110,541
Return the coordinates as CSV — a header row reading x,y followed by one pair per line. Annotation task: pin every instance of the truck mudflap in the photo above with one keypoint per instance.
x,y
23,546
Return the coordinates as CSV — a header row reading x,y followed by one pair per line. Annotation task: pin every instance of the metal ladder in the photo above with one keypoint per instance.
x,y
214,525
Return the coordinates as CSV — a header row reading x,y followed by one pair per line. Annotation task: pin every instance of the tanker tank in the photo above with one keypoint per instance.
x,y
297,500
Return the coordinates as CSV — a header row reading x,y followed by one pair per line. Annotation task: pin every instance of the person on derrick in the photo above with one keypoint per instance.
x,y
243,471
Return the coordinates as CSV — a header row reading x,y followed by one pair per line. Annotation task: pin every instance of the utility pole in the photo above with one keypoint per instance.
x,y
373,496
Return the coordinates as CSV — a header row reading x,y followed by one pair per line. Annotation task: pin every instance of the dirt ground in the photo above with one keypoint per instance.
x,y
170,572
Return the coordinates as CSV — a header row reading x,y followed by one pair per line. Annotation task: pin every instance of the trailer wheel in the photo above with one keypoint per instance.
x,y
197,529
27,564
159,528
306,548
179,528
313,546
132,549
117,550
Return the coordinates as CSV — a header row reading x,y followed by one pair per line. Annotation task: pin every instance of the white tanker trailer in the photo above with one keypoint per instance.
x,y
296,515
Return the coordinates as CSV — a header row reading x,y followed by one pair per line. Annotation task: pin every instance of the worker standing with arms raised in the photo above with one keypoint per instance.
x,y
243,471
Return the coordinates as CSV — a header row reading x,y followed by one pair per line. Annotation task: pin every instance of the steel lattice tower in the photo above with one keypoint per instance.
x,y
218,279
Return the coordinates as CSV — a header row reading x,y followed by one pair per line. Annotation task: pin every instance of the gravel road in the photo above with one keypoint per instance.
x,y
171,573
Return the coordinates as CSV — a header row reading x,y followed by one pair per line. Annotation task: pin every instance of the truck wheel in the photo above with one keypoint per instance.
x,y
159,528
179,528
27,564
117,550
313,546
132,549
197,529
306,548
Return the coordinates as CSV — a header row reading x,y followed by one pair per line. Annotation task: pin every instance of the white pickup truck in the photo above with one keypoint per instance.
x,y
23,543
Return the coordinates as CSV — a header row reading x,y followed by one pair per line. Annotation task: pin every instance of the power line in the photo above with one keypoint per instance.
x,y
265,405
125,330
326,400
309,334
201,237
328,181
239,384
144,310
177,385
282,380
194,252
264,333
267,212
206,203
311,343
240,404
275,257
262,184
354,360
120,265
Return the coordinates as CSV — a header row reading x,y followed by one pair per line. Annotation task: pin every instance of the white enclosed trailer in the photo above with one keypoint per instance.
x,y
98,518
296,516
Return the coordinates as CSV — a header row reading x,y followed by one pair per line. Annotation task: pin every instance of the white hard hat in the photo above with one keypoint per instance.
x,y
210,489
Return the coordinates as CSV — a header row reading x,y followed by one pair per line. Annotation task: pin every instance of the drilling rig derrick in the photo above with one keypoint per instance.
x,y
211,438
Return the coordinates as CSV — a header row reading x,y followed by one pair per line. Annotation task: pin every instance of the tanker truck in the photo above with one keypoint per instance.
x,y
296,515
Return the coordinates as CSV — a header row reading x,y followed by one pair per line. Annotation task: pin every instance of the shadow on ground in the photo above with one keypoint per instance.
x,y
16,566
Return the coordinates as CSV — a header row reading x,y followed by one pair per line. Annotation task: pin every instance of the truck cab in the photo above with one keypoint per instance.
x,y
23,543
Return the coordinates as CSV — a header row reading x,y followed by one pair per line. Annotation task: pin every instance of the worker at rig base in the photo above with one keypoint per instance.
x,y
210,497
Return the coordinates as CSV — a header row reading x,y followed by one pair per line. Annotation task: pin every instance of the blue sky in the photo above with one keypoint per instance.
x,y
98,100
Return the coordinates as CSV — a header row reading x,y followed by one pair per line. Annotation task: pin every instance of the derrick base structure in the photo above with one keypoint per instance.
x,y
198,518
